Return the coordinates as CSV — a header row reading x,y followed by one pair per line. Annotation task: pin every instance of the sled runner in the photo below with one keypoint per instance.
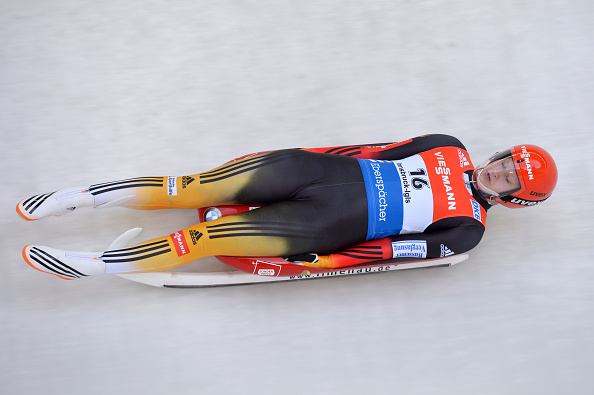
x,y
252,270
266,267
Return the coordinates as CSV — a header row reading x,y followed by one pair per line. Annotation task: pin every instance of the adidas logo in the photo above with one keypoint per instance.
x,y
445,251
186,180
195,235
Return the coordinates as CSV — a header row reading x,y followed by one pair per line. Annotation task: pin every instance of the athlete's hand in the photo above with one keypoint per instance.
x,y
306,259
312,260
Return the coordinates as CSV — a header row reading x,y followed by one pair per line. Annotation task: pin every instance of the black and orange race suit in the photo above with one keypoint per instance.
x,y
350,204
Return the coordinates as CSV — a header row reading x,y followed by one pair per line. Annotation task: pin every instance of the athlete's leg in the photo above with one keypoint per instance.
x,y
220,186
260,179
245,234
262,232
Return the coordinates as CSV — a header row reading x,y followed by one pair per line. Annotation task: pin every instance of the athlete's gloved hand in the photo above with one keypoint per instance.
x,y
301,258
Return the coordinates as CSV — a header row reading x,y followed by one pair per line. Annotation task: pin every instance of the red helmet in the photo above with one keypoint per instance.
x,y
528,171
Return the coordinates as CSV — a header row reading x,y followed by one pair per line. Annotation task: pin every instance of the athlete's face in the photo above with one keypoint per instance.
x,y
500,176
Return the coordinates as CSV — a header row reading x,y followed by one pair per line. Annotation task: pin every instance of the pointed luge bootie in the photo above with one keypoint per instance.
x,y
55,203
62,202
73,264
64,264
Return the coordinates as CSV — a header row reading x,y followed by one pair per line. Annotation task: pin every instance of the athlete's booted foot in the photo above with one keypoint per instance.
x,y
64,264
62,202
55,203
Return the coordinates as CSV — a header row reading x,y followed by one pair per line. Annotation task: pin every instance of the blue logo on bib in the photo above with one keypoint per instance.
x,y
384,198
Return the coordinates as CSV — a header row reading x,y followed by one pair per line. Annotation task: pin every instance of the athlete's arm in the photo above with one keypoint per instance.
x,y
433,243
393,151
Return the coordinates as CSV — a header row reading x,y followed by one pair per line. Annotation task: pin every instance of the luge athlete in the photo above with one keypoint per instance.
x,y
328,207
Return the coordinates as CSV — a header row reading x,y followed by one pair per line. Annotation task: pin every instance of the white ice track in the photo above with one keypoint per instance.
x,y
95,91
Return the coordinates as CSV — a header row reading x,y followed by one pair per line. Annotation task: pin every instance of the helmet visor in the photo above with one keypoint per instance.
x,y
499,175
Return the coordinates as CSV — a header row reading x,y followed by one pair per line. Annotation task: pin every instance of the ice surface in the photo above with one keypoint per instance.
x,y
95,91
